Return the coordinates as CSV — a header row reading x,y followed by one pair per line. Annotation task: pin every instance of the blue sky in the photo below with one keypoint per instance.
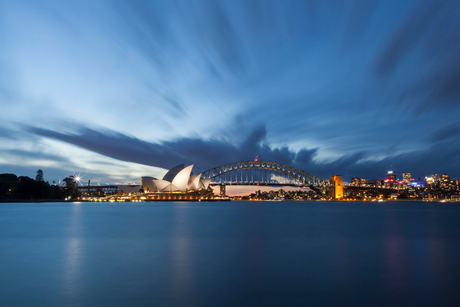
x,y
115,90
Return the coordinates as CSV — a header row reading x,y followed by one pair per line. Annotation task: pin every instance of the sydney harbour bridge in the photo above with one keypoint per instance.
x,y
262,173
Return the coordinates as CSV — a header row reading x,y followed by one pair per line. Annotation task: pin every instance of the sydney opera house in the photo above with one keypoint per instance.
x,y
179,183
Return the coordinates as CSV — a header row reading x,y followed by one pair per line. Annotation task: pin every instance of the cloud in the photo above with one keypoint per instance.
x,y
296,72
443,85
407,36
7,133
419,63
359,18
34,155
200,31
203,153
206,154
448,133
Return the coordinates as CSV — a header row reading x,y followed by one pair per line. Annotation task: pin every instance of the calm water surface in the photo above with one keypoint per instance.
x,y
229,254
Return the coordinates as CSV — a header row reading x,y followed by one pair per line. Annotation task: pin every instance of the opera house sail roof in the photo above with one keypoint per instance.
x,y
179,179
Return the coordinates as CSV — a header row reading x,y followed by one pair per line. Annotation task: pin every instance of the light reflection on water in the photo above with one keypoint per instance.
x,y
239,253
180,253
72,265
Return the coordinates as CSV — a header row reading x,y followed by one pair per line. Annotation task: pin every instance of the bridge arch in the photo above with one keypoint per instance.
x,y
300,176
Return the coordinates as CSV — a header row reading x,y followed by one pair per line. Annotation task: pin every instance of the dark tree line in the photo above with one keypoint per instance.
x,y
26,188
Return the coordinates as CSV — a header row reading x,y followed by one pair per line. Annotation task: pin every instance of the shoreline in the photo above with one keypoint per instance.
x,y
220,200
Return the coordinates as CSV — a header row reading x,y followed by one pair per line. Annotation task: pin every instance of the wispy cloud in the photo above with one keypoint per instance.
x,y
206,154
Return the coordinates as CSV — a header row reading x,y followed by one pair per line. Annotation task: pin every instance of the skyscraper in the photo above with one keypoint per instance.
x,y
391,176
391,179
406,177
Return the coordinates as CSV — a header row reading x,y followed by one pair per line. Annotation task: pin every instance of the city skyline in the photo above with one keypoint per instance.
x,y
119,90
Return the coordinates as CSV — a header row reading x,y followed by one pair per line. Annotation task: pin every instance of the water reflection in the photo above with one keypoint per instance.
x,y
415,256
72,274
230,255
395,249
180,252
342,257
419,248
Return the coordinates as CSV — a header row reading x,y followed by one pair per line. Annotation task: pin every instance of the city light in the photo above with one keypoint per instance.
x,y
76,178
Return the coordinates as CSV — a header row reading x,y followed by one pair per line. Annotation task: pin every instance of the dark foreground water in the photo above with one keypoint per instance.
x,y
229,254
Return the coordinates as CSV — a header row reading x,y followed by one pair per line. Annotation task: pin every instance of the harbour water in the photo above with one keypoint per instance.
x,y
229,254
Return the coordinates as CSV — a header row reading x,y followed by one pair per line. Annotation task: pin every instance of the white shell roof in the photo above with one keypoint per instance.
x,y
206,182
173,172
181,179
129,188
149,184
170,188
194,182
161,184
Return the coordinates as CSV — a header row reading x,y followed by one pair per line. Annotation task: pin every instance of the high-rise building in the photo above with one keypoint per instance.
x,y
391,176
391,179
376,183
432,181
445,181
445,178
406,177
355,181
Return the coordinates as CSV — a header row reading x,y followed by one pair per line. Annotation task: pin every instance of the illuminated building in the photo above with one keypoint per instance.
x,y
445,178
432,181
178,179
358,182
377,183
129,189
178,184
429,180
445,181
391,176
406,177
355,181
391,179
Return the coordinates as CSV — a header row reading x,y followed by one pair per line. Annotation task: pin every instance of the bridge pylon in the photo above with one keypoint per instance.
x,y
336,190
222,190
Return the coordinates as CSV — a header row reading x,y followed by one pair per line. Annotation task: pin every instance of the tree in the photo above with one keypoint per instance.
x,y
27,188
56,192
71,187
22,187
8,185
39,177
